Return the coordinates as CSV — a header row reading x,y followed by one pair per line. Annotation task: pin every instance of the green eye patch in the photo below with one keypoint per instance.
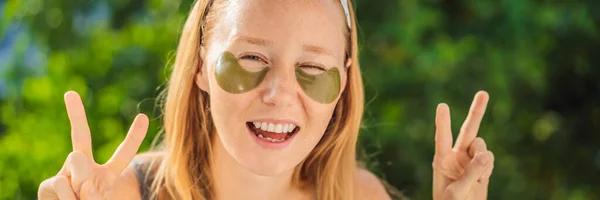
x,y
233,78
323,88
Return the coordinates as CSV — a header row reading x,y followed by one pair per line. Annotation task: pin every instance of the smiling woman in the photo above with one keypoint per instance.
x,y
265,99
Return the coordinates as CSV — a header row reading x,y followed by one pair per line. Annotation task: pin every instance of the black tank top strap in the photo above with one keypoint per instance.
x,y
143,178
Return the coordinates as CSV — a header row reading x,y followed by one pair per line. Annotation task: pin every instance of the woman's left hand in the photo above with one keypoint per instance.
x,y
463,171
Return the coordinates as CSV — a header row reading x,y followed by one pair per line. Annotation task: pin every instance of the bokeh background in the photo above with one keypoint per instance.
x,y
539,60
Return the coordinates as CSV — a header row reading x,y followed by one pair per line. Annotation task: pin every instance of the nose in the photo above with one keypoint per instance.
x,y
280,87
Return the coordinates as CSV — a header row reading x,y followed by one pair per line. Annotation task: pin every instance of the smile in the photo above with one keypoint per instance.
x,y
273,132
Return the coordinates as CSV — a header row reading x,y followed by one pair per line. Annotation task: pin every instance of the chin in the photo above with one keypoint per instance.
x,y
264,157
268,162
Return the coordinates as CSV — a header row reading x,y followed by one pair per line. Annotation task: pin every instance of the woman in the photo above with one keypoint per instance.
x,y
261,104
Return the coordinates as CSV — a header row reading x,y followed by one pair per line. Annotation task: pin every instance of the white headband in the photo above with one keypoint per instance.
x,y
346,12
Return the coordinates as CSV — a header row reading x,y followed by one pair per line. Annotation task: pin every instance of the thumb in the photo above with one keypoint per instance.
x,y
462,187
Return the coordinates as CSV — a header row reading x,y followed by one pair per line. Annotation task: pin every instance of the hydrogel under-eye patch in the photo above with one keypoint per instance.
x,y
323,87
233,78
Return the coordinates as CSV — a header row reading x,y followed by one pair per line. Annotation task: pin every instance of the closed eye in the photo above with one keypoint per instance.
x,y
313,67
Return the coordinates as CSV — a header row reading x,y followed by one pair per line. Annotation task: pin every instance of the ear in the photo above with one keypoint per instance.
x,y
200,77
348,63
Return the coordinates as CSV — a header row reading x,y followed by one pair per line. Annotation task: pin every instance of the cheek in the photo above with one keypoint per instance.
x,y
322,96
228,105
230,86
226,108
319,116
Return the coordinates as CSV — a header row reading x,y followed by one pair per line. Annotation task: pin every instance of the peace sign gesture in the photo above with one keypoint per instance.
x,y
81,177
462,171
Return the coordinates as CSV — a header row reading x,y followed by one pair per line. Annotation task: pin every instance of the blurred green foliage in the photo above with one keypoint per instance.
x,y
538,60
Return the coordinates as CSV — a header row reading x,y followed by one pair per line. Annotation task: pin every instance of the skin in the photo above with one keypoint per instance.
x,y
462,171
268,34
457,174
81,177
271,31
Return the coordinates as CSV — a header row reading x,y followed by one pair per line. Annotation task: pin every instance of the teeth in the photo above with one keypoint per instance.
x,y
285,128
256,124
274,128
271,127
263,126
271,139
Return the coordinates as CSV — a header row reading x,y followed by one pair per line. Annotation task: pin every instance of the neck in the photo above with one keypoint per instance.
x,y
233,181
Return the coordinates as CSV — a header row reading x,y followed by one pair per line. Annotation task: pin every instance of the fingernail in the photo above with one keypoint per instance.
x,y
482,159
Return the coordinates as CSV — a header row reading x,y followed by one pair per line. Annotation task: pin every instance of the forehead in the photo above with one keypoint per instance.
x,y
286,22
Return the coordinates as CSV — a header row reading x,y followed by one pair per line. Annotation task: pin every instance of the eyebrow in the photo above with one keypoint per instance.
x,y
263,42
316,50
255,41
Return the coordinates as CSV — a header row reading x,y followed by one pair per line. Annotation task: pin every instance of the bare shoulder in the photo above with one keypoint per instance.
x,y
370,186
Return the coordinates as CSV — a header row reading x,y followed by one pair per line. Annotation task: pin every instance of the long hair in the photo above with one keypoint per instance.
x,y
183,170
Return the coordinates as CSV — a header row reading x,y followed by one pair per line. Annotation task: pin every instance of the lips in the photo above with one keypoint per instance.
x,y
273,132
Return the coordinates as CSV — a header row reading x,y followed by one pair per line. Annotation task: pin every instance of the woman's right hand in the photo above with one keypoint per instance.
x,y
81,177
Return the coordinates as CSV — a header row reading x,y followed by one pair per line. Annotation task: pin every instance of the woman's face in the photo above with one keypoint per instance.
x,y
274,71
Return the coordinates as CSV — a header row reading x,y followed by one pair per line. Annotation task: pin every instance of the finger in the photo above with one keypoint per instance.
x,y
79,170
443,132
65,170
88,191
485,177
462,187
440,182
80,131
63,189
470,127
129,147
480,191
478,145
46,190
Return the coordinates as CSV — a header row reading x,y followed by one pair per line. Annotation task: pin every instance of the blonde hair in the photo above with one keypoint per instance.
x,y
183,171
